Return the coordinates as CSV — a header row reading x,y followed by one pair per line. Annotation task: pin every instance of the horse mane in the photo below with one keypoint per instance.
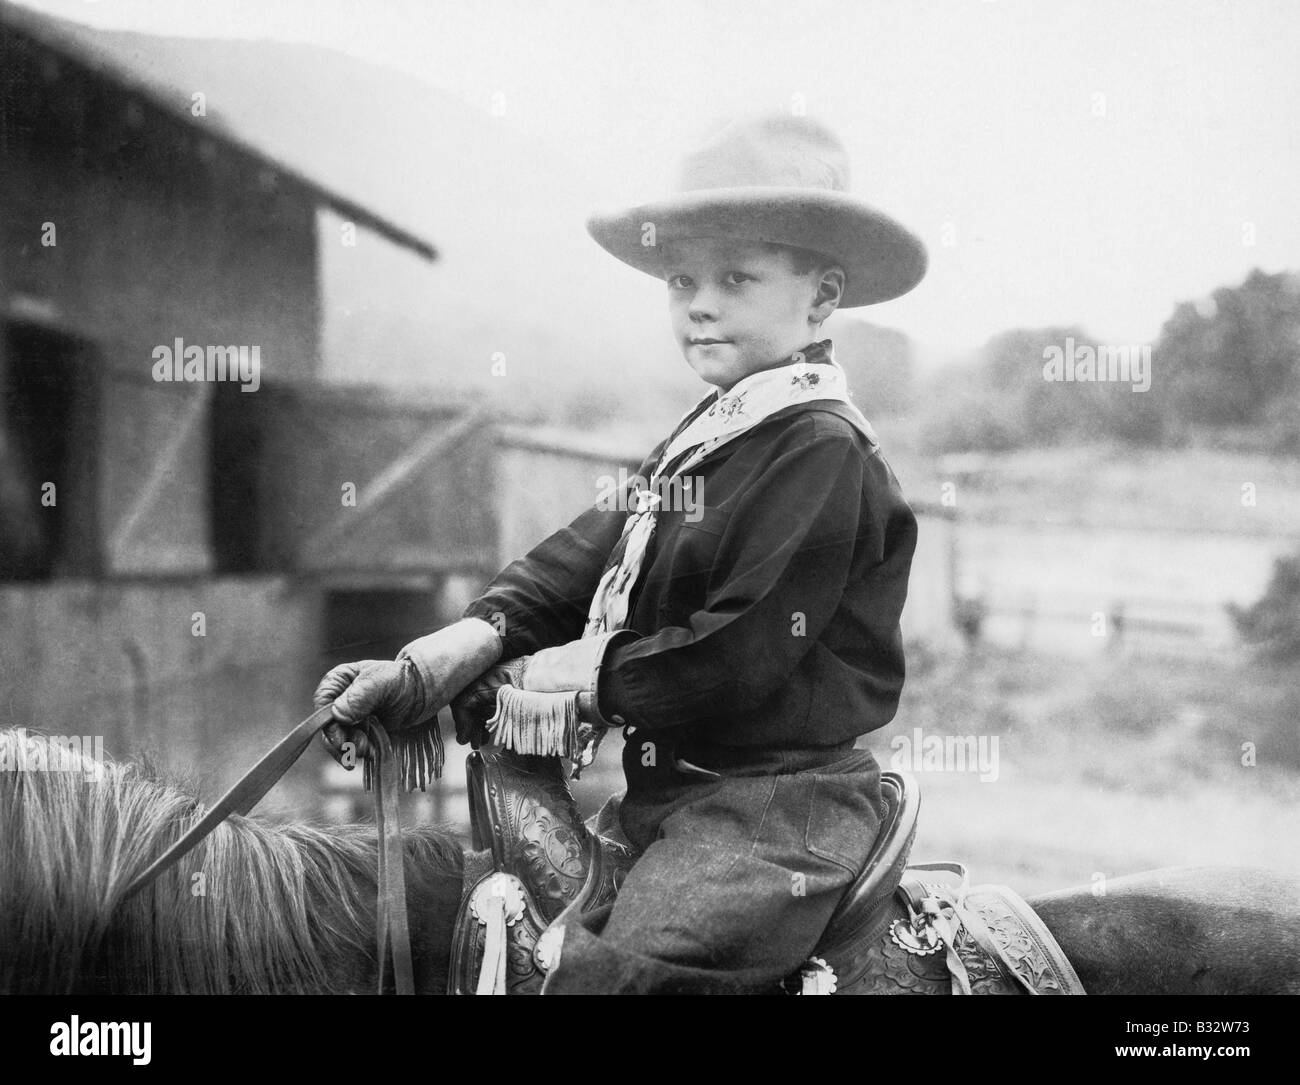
x,y
256,908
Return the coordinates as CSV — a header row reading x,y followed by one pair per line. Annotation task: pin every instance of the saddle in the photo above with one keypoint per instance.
x,y
898,929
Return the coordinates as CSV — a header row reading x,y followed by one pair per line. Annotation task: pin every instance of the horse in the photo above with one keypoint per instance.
x,y
265,908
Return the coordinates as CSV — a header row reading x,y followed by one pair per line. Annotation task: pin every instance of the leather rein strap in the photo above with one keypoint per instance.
x,y
393,931
390,916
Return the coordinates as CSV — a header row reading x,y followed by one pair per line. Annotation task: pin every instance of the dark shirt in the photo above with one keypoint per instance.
x,y
769,617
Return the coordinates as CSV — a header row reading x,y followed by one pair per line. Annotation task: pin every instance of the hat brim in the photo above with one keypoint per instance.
x,y
881,258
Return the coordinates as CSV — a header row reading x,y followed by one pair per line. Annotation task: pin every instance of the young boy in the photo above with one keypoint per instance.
x,y
743,648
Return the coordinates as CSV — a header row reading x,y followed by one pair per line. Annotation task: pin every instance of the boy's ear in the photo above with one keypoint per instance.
x,y
830,292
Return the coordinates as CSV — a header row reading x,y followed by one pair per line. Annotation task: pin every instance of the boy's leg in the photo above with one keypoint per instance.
x,y
735,891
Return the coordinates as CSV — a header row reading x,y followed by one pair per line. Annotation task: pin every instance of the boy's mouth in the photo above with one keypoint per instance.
x,y
704,342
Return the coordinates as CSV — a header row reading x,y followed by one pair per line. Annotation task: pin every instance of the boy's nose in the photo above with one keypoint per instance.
x,y
703,307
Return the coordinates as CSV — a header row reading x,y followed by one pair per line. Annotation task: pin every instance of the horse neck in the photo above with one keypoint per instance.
x,y
342,908
256,908
434,873
291,910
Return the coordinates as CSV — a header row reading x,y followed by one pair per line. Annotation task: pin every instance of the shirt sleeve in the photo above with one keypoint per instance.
x,y
781,568
542,599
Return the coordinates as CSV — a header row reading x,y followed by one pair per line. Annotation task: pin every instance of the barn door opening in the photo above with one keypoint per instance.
x,y
46,453
376,623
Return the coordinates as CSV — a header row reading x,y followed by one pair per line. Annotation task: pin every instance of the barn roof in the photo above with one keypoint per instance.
x,y
22,29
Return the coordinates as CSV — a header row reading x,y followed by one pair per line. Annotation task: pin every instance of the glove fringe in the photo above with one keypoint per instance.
x,y
420,755
541,724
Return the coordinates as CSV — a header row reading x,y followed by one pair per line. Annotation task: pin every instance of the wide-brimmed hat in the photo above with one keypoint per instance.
x,y
781,179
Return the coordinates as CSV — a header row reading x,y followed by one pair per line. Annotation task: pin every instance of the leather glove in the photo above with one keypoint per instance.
x,y
391,691
566,668
408,691
477,702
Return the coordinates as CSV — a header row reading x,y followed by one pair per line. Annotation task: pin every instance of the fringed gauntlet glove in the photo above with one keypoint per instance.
x,y
543,704
404,695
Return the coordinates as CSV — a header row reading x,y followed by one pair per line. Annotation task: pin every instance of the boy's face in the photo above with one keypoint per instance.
x,y
738,307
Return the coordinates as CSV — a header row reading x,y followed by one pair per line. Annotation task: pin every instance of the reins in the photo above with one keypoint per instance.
x,y
392,928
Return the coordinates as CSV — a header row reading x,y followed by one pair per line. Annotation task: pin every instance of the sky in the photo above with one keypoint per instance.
x,y
1076,162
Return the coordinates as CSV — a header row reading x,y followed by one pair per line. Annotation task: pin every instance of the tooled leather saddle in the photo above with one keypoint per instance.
x,y
533,860
897,930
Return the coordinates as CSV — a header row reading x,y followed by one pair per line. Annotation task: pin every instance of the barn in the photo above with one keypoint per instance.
x,y
187,547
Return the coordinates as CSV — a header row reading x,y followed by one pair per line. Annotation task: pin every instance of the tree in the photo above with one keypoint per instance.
x,y
1004,401
1226,361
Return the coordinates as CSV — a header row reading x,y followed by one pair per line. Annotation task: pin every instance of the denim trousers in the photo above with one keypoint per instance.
x,y
742,856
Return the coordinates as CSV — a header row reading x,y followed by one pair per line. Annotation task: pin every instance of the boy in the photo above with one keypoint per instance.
x,y
745,648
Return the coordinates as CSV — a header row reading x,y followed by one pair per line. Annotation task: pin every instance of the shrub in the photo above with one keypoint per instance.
x,y
1272,623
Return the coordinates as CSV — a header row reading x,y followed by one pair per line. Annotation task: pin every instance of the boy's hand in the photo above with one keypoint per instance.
x,y
389,690
477,703
409,690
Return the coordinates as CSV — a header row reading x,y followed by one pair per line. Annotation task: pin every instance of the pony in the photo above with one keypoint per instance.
x,y
290,909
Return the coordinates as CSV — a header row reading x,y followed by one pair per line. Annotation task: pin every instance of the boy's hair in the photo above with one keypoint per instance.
x,y
804,261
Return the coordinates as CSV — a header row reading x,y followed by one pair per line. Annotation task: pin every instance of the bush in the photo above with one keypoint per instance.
x,y
1272,623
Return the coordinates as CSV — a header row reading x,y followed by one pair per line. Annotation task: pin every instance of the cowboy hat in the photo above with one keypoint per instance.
x,y
779,179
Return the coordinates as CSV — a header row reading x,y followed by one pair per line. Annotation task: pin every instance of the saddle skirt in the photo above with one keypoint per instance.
x,y
936,936
533,858
898,929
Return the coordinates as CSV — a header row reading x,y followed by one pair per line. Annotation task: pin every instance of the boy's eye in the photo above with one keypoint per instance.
x,y
680,282
735,278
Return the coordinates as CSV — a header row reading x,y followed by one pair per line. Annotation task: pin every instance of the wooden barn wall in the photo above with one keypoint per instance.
x,y
543,488
121,661
160,233
419,472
